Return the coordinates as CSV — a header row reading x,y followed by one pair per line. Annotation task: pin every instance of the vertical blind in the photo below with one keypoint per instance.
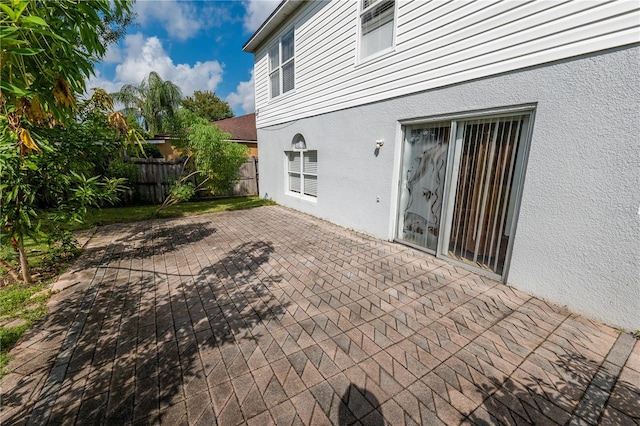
x,y
484,192
470,218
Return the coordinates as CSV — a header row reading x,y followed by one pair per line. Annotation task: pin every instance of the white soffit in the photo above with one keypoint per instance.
x,y
277,17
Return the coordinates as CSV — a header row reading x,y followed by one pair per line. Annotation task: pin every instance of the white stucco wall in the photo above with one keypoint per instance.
x,y
350,176
578,237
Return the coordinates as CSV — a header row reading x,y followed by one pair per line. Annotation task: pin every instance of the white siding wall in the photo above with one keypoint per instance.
x,y
437,44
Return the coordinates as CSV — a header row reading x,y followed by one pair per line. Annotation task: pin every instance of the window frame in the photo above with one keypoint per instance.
x,y
301,174
279,69
362,10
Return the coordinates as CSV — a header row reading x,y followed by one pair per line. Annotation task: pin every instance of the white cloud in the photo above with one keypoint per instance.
x,y
141,55
244,96
98,81
257,12
179,18
113,54
182,20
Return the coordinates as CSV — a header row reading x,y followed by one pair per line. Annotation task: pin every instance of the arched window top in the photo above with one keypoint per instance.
x,y
298,143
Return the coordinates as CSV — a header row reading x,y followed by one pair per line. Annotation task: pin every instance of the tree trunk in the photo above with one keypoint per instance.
x,y
24,265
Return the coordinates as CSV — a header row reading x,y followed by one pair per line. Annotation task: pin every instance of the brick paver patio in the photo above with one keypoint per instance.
x,y
269,316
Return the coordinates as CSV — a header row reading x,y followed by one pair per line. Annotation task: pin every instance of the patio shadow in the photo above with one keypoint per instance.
x,y
572,387
149,342
359,405
136,243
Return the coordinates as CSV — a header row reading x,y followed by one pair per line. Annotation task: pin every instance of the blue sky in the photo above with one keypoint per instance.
x,y
195,44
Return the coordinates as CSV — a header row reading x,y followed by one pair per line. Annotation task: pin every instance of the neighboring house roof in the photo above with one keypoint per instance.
x,y
277,17
242,128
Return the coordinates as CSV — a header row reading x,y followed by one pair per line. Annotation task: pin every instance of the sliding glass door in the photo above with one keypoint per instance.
x,y
424,167
460,187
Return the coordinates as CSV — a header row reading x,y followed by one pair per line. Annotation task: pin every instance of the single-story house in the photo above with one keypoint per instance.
x,y
243,131
164,145
502,137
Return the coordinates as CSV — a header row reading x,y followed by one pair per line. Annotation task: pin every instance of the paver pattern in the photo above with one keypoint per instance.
x,y
269,316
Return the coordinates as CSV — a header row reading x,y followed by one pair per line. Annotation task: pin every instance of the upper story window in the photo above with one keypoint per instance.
x,y
376,26
281,65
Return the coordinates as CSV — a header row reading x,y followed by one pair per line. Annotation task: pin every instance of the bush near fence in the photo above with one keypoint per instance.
x,y
156,175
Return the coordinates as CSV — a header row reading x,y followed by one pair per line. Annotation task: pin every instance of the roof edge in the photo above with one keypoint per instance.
x,y
277,17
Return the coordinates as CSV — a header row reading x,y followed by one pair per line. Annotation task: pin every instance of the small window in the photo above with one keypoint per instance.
x,y
302,169
282,65
376,26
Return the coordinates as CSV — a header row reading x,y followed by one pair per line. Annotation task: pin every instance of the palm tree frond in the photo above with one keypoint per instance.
x,y
153,100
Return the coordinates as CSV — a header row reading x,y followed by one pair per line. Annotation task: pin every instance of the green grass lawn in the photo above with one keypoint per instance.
x,y
20,306
110,215
37,251
17,301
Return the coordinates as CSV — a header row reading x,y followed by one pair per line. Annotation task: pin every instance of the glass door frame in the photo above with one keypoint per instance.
x,y
406,129
451,175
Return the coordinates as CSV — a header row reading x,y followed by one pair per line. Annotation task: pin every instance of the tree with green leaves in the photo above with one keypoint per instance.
x,y
48,50
207,105
89,145
211,158
154,101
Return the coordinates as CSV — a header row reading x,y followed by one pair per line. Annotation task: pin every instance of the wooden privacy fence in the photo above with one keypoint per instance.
x,y
248,182
156,175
